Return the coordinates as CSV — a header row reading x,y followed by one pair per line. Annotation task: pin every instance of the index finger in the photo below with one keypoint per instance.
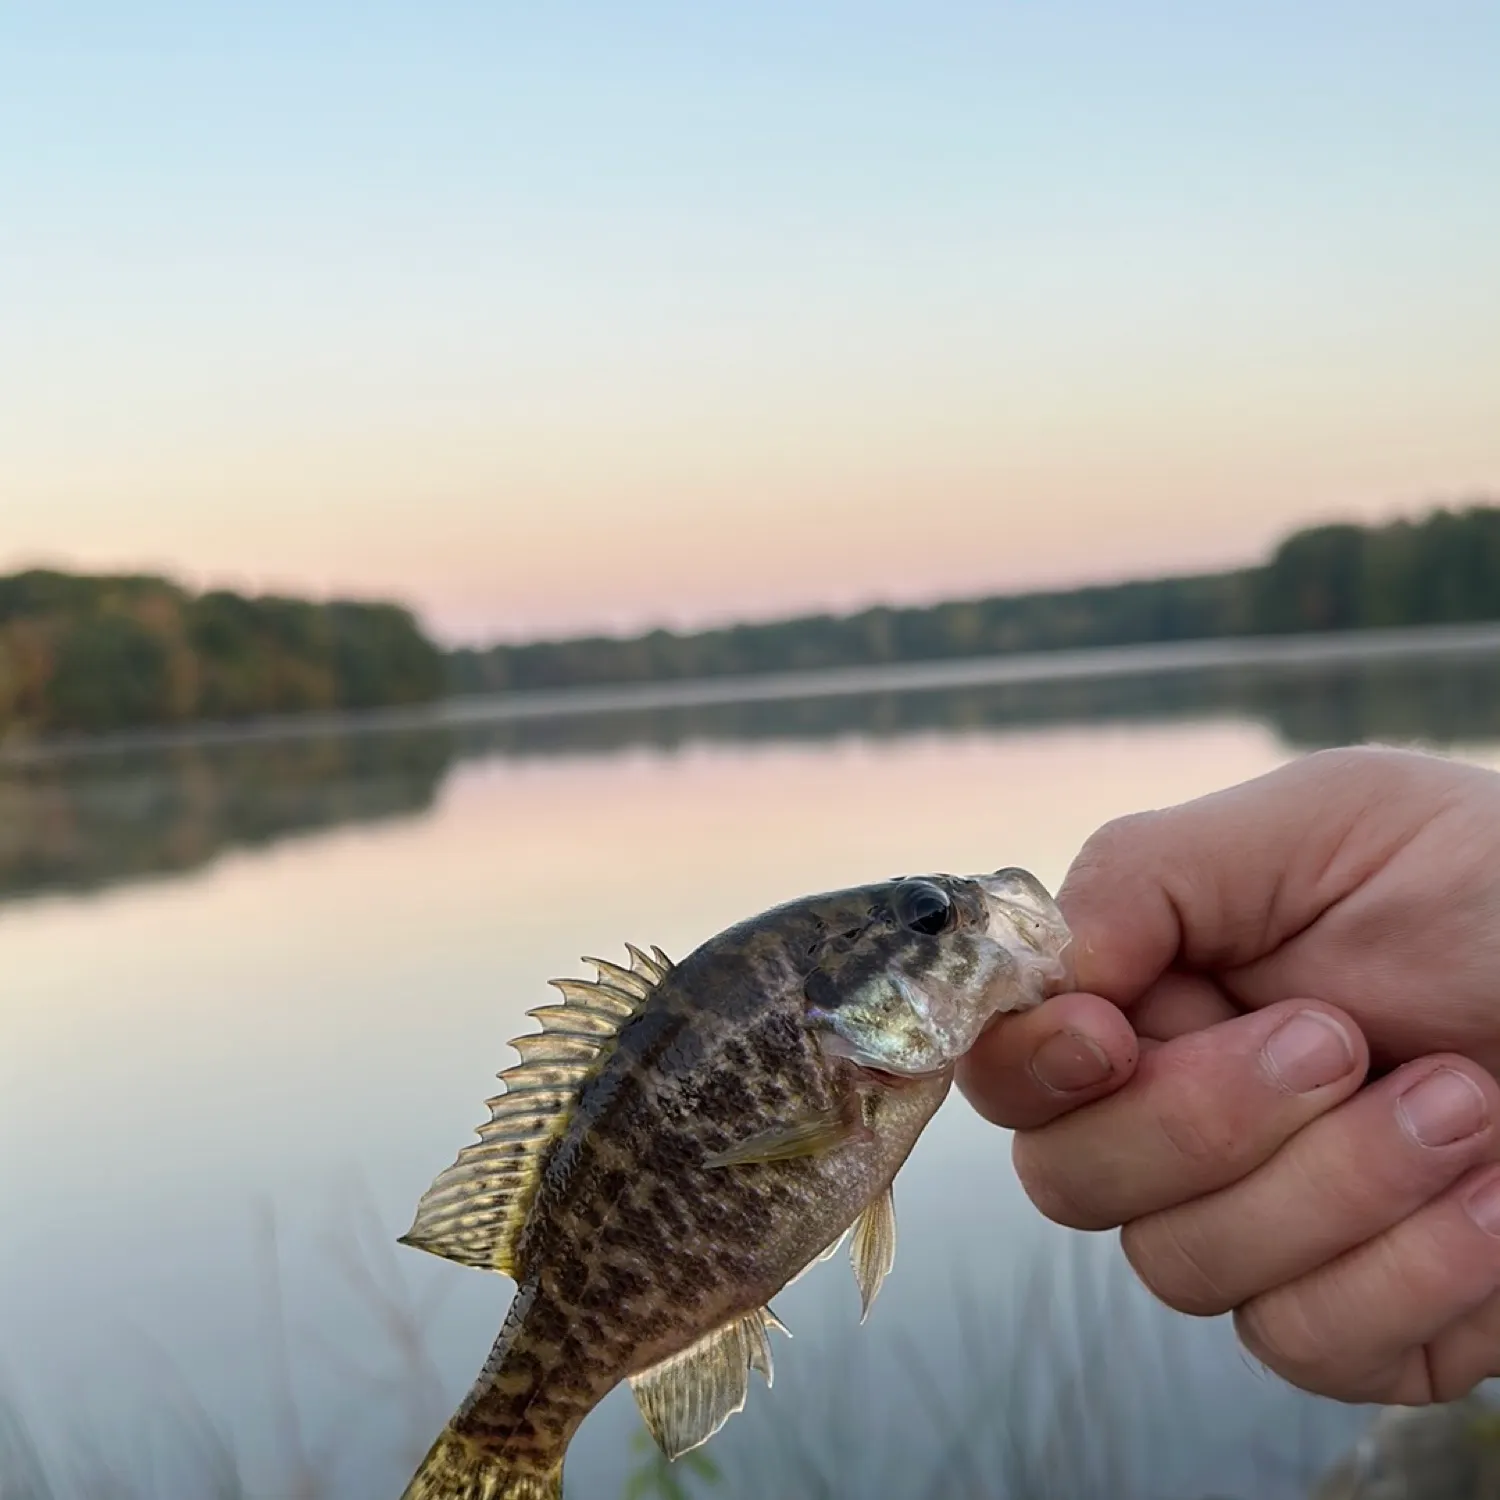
x,y
1226,879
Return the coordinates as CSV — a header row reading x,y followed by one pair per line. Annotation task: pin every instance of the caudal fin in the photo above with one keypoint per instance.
x,y
457,1468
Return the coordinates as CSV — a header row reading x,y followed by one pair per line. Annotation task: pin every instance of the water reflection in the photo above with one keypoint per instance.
x,y
85,823
186,1049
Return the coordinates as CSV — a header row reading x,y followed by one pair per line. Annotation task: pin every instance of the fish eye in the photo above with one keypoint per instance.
x,y
922,907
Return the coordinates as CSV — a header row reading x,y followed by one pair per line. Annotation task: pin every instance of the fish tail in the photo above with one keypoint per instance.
x,y
458,1467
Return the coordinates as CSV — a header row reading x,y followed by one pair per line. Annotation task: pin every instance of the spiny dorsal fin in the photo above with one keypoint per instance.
x,y
654,968
873,1248
626,981
475,1209
687,1398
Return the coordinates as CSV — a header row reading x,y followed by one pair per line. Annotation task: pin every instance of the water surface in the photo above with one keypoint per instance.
x,y
252,998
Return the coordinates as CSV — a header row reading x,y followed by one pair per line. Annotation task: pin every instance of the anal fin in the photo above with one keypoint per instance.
x,y
873,1248
688,1397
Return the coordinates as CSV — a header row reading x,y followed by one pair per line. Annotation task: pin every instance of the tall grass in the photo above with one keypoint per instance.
x,y
1084,1393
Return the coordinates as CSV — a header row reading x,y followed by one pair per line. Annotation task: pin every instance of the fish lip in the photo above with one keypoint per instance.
x,y
1062,971
1052,941
887,1079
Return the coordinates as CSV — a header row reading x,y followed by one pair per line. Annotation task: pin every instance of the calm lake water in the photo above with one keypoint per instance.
x,y
252,999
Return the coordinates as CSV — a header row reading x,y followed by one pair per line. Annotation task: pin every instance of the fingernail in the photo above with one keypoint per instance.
x,y
1307,1052
1067,1062
1483,1205
1444,1107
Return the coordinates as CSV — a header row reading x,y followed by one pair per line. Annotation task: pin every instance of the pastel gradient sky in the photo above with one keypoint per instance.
x,y
546,318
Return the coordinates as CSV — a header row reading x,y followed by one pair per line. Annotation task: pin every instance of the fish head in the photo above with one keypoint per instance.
x,y
912,970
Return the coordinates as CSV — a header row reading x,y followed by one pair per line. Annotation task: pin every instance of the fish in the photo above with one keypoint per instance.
x,y
681,1141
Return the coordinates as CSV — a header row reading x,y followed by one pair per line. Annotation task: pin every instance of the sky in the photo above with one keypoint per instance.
x,y
546,319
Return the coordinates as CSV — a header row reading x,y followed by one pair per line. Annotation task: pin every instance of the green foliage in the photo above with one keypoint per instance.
x,y
88,654
110,669
654,1477
1444,569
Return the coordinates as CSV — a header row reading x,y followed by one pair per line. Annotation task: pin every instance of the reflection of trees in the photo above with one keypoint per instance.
x,y
1307,706
88,822
77,825
1435,703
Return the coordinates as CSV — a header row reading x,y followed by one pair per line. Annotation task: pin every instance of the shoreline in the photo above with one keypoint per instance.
x,y
1333,648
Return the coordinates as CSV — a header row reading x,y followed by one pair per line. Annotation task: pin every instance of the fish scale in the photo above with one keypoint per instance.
x,y
680,1141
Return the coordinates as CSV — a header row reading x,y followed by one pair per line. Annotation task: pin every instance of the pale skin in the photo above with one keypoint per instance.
x,y
1277,1077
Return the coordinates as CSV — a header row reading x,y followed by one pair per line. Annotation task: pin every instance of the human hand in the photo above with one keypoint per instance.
x,y
1193,1094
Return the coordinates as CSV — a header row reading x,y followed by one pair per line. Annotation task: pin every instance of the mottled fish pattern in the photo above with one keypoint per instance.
x,y
680,1141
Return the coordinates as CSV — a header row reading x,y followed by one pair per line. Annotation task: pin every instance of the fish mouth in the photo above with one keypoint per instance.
x,y
885,1079
1024,916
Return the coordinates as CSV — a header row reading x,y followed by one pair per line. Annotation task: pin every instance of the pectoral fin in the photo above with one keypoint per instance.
x,y
689,1397
809,1136
873,1248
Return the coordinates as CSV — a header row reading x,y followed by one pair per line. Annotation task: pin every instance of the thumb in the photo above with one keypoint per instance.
x,y
1221,881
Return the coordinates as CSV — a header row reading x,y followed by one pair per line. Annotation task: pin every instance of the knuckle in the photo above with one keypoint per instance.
x,y
1191,1117
1050,1192
1192,1140
1373,768
1101,848
1171,1260
1336,759
1276,1330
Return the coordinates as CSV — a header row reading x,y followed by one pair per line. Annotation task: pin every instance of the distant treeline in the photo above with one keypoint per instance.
x,y
99,653
1442,569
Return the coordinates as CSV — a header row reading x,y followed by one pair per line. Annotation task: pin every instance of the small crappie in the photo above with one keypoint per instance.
x,y
680,1141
